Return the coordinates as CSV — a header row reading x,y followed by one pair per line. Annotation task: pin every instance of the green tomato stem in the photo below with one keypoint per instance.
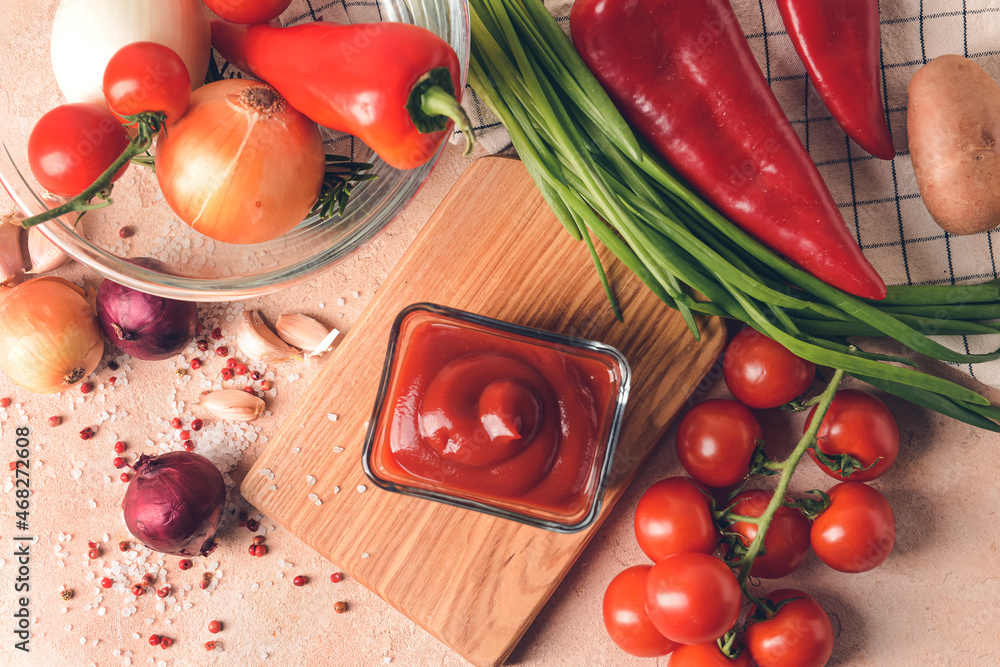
x,y
148,125
787,470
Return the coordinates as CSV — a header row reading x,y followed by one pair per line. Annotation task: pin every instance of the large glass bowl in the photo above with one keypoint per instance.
x,y
197,268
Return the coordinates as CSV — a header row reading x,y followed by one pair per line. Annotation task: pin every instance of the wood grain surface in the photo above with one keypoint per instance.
x,y
473,581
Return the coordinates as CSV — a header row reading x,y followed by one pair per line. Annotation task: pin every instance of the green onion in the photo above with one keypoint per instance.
x,y
602,181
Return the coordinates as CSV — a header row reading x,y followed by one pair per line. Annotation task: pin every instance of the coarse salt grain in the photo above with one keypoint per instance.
x,y
310,480
338,449
362,488
332,417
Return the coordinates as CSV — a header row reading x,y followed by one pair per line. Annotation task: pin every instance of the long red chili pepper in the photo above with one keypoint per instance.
x,y
394,86
683,75
839,43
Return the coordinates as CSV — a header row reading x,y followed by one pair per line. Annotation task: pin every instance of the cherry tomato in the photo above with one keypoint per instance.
x,y
762,373
786,544
674,516
858,424
706,655
857,531
692,598
146,76
625,615
248,11
715,441
72,145
798,635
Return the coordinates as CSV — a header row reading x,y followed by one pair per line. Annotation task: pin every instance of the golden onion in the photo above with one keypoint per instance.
x,y
241,165
49,336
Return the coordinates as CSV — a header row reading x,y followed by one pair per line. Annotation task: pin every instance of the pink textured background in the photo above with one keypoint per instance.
x,y
932,603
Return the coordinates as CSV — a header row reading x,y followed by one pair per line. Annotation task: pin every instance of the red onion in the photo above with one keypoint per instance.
x,y
174,504
145,326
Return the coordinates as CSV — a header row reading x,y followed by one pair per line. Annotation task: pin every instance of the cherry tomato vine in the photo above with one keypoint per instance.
x,y
703,545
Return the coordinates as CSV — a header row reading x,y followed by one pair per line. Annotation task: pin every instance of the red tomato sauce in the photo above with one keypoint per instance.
x,y
496,416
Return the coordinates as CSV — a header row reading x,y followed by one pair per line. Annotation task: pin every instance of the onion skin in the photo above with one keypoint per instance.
x,y
144,326
49,336
86,33
174,503
236,175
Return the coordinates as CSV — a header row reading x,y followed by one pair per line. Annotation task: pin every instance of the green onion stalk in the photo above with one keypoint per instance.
x,y
600,179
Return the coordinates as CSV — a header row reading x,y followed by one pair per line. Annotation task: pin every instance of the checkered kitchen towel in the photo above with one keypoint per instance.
x,y
879,199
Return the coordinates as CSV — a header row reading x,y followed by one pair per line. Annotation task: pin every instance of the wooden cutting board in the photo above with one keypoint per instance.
x,y
473,581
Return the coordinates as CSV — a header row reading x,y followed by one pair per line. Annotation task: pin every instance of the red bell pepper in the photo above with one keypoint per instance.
x,y
682,73
839,43
394,86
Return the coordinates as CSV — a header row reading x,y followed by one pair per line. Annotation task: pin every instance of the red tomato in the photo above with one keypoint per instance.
x,y
706,655
626,619
786,544
146,76
857,531
858,424
248,11
72,145
715,441
674,516
762,373
692,598
799,635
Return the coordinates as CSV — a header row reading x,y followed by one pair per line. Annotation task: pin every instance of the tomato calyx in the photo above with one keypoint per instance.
x,y
98,195
765,610
728,645
761,464
844,464
811,507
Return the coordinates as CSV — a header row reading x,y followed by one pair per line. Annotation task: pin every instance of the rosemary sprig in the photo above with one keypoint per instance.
x,y
338,184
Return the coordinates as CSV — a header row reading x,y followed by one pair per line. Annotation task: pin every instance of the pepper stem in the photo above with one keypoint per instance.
x,y
436,102
432,103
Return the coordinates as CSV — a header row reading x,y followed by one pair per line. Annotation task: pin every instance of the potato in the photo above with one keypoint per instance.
x,y
953,122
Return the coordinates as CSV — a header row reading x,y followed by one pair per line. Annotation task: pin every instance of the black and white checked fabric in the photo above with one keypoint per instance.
x,y
880,200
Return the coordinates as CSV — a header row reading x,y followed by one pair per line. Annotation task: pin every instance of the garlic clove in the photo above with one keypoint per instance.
x,y
233,405
11,257
45,255
255,339
306,333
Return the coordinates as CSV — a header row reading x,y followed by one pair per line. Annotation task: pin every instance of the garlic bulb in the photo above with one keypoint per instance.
x,y
233,405
255,339
306,333
45,255
11,257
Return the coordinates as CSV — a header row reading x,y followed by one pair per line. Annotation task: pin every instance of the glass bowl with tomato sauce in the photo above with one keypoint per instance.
x,y
196,268
496,417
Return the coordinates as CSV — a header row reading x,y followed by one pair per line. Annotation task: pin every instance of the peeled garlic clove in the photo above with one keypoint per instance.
x,y
45,255
255,339
11,257
233,405
306,333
